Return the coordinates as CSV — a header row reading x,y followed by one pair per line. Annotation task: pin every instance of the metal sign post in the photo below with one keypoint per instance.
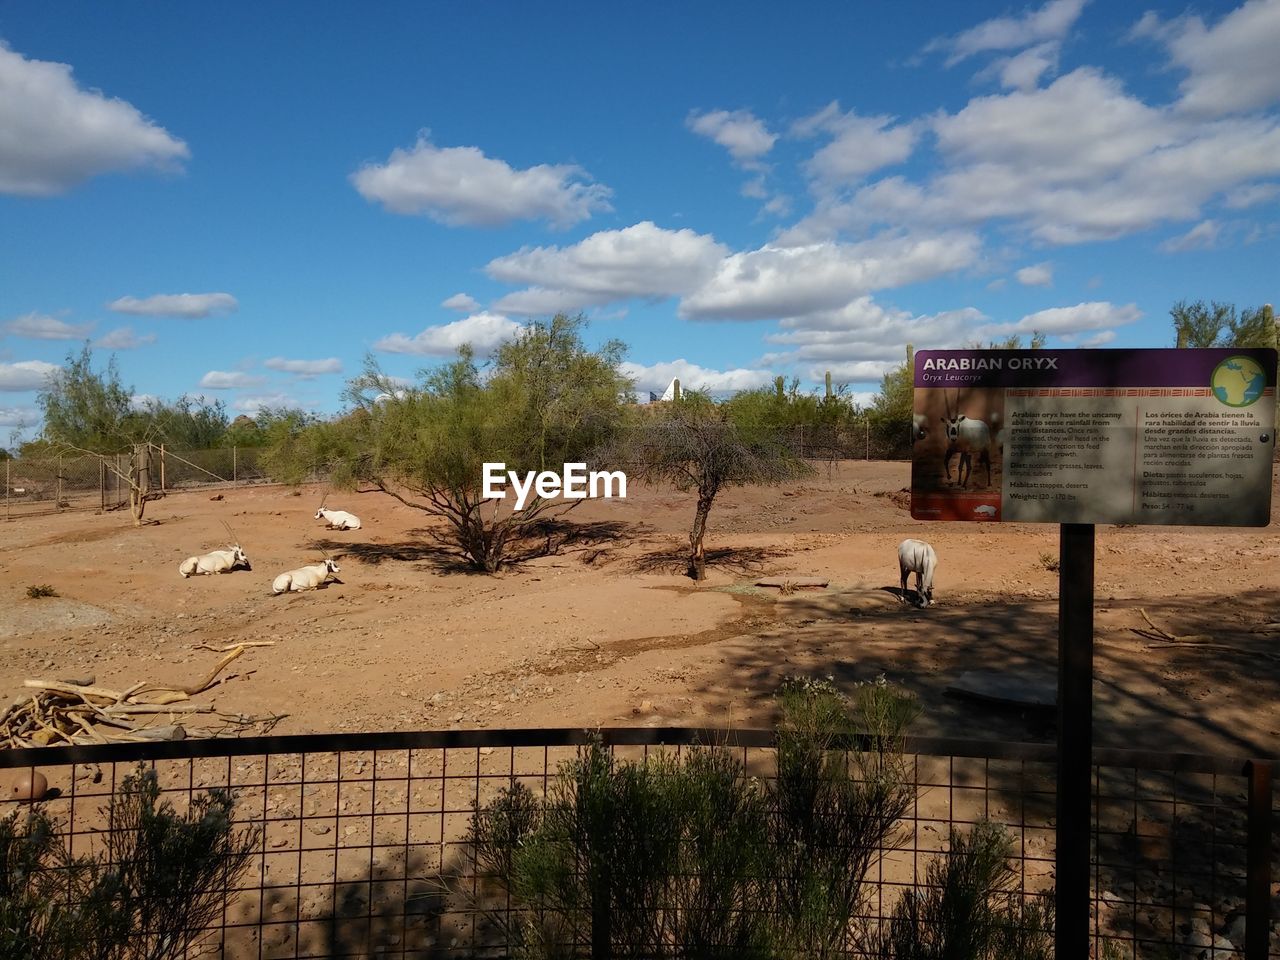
x,y
1077,438
1073,889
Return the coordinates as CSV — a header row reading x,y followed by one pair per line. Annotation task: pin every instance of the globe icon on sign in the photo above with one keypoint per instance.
x,y
1238,381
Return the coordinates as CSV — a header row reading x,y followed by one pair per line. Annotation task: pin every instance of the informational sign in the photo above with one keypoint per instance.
x,y
1095,436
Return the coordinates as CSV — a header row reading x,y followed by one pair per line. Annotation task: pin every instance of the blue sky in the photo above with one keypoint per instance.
x,y
241,201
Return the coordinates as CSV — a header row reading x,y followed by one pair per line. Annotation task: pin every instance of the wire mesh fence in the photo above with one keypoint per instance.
x,y
37,486
363,848
865,440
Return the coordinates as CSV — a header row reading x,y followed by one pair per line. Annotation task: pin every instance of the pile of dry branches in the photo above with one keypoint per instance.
x,y
61,712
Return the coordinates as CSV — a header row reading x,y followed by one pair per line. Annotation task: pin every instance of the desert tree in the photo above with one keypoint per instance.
x,y
92,412
1222,325
543,400
696,444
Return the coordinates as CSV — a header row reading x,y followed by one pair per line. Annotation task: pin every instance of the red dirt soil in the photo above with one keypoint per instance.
x,y
607,631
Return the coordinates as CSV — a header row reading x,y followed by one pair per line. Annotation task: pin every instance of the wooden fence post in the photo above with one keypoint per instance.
x,y
58,488
6,488
161,466
233,465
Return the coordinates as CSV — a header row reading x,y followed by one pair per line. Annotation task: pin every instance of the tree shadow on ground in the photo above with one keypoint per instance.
x,y
1170,844
549,536
398,906
734,560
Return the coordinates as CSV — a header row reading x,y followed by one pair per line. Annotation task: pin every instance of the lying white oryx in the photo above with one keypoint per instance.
x,y
916,556
305,578
337,519
217,561
966,437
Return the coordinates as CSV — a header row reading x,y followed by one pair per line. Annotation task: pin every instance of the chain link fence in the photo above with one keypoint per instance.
x,y
37,486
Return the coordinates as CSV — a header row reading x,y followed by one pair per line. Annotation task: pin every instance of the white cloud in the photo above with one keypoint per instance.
x,y
230,380
1023,71
463,302
775,281
1052,22
740,132
1099,339
123,338
140,401
41,326
853,371
864,339
1250,196
252,404
1057,321
460,186
657,376
1036,275
26,374
305,369
1077,161
18,416
483,331
188,305
642,260
1202,236
54,135
858,144
1230,66
1108,128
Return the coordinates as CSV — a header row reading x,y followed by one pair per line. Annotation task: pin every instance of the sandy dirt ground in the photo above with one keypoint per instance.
x,y
606,630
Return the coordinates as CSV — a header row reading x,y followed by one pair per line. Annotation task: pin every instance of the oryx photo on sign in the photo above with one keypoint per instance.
x,y
957,454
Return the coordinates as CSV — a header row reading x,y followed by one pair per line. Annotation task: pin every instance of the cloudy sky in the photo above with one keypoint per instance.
x,y
241,202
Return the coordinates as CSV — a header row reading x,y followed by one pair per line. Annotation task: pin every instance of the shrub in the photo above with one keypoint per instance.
x,y
658,859
162,878
36,591
690,857
969,908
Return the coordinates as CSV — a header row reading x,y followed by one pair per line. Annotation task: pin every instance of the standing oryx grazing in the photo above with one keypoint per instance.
x,y
916,556
966,437
337,519
217,561
305,578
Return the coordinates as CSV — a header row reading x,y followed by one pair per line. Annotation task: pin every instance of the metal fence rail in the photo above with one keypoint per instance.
x,y
363,848
37,486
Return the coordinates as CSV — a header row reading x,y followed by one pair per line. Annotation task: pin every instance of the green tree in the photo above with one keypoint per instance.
x,y
1221,325
547,400
697,445
187,423
91,410
1014,342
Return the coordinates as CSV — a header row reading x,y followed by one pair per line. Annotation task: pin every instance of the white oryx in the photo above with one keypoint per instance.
x,y
916,556
216,561
337,519
966,437
305,578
